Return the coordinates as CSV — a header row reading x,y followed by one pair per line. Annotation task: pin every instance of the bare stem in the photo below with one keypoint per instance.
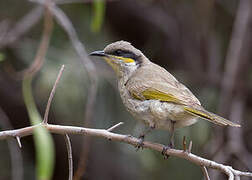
x,y
205,173
43,46
67,25
59,129
15,152
22,26
52,95
70,157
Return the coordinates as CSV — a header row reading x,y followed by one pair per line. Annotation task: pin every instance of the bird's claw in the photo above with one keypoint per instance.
x,y
140,143
171,145
165,148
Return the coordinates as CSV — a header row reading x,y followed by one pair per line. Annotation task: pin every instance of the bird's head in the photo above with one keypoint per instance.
x,y
122,57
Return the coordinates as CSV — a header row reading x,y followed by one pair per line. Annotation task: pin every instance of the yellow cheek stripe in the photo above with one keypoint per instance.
x,y
125,60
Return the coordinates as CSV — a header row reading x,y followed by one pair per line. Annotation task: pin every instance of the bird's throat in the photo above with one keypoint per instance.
x,y
122,71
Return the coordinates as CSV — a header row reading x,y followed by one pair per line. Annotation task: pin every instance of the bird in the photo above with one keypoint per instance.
x,y
153,95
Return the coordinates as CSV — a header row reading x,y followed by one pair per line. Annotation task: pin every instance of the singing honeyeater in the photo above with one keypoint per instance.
x,y
151,94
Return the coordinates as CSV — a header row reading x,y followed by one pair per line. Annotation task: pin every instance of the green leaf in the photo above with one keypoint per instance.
x,y
43,139
2,57
98,16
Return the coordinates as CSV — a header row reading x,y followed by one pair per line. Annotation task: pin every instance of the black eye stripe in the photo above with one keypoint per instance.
x,y
119,52
122,53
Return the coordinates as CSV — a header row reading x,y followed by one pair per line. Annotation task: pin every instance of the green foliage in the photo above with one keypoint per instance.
x,y
2,57
43,140
98,16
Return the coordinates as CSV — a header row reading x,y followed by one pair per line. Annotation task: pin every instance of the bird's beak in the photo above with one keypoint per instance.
x,y
98,53
111,61
111,58
107,57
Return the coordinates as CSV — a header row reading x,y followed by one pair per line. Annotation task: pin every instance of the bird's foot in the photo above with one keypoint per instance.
x,y
165,148
140,142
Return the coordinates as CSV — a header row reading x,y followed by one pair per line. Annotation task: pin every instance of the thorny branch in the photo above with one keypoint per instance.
x,y
25,24
61,17
60,129
15,152
91,72
66,24
65,130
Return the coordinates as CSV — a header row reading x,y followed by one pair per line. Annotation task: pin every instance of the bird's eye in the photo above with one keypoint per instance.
x,y
126,54
118,52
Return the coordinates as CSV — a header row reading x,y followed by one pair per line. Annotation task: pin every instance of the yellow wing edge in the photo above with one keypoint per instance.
x,y
149,94
210,117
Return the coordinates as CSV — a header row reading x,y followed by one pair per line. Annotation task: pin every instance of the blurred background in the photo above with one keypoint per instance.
x,y
205,44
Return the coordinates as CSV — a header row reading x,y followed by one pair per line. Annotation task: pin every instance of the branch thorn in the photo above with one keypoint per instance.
x,y
190,147
19,142
184,144
115,126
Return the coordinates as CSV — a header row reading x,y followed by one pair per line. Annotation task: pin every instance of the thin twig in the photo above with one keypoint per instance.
x,y
115,126
52,95
237,54
205,173
70,156
66,24
233,95
22,26
44,44
59,129
17,170
16,161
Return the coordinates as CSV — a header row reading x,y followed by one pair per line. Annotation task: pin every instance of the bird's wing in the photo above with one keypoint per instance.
x,y
214,118
154,82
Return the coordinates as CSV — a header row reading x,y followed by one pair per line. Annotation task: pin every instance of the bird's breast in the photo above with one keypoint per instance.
x,y
139,109
155,111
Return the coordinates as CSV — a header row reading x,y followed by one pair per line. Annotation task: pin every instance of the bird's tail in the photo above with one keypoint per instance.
x,y
204,114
